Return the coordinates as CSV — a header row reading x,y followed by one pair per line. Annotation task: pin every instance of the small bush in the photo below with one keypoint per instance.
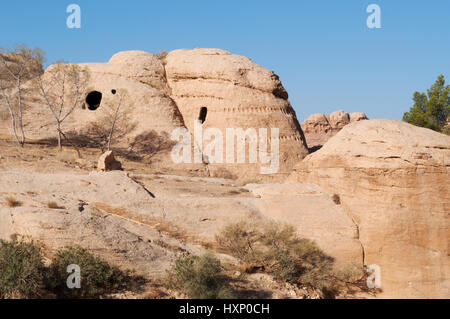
x,y
21,270
201,277
285,268
278,251
12,202
161,55
97,276
297,260
240,240
446,129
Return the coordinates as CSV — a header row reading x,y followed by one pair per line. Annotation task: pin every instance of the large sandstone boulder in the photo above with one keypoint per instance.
x,y
140,66
172,92
339,119
316,217
319,128
234,92
393,180
357,116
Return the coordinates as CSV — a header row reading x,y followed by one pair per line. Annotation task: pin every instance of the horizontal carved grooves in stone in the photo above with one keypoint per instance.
x,y
245,109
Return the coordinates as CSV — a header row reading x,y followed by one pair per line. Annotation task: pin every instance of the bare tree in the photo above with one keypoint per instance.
x,y
62,88
17,67
115,121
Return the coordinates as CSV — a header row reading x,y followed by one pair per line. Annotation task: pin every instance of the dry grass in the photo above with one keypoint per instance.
x,y
12,202
54,205
157,223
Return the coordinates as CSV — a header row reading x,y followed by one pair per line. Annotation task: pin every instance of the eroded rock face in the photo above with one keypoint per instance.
x,y
315,216
140,66
339,119
319,128
221,89
357,116
393,179
234,92
119,214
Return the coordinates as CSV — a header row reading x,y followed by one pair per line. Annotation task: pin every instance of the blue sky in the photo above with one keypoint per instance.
x,y
323,51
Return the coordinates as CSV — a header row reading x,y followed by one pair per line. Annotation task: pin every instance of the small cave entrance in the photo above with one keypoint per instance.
x,y
202,114
93,100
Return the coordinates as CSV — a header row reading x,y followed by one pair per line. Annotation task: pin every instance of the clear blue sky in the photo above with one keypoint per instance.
x,y
323,51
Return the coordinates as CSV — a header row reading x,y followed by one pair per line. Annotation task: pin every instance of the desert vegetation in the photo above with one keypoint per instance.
x,y
175,214
24,275
22,270
431,109
115,122
62,89
98,276
18,66
276,250
200,277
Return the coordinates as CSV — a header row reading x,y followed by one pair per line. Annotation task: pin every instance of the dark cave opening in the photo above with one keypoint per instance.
x,y
93,100
202,115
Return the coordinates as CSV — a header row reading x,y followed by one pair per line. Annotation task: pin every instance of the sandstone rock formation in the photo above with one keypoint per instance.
x,y
319,128
357,116
107,162
169,93
234,92
393,180
315,216
140,221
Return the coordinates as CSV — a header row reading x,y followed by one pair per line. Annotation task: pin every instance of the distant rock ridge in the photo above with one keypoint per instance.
x,y
319,128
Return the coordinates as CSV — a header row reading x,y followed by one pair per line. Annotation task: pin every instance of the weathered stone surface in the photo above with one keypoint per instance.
x,y
107,162
315,216
393,179
169,93
118,207
357,116
319,128
339,119
237,93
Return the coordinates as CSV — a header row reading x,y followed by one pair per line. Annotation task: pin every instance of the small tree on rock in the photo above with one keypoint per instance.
x,y
115,120
62,88
18,66
431,109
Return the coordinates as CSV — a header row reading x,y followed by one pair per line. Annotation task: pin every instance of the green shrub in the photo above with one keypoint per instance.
x,y
240,240
296,260
431,109
288,258
97,276
201,277
285,268
21,270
